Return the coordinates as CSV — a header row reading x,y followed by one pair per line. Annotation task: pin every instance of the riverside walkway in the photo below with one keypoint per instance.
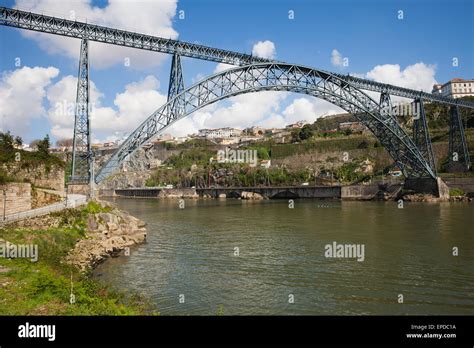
x,y
71,201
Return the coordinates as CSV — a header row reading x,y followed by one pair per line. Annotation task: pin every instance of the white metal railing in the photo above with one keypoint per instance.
x,y
70,202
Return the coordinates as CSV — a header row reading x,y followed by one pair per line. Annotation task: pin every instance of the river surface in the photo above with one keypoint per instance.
x,y
191,265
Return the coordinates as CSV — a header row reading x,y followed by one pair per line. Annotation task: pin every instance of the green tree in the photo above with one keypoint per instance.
x,y
6,141
43,146
18,141
306,132
295,135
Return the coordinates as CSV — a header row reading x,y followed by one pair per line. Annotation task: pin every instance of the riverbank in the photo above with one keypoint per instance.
x,y
69,245
435,191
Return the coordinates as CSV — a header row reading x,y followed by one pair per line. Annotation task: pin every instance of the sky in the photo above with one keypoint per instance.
x,y
410,43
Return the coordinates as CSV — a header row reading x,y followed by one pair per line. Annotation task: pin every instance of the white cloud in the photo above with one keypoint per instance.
x,y
244,110
222,66
336,58
273,121
264,49
419,76
21,97
305,109
136,103
261,108
148,17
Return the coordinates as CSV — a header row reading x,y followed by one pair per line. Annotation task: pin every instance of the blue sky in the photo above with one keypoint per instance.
x,y
368,33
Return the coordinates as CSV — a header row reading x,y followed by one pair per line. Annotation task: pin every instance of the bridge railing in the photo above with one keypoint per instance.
x,y
71,203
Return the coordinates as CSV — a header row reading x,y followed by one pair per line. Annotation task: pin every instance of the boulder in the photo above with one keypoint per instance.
x,y
251,195
92,223
108,235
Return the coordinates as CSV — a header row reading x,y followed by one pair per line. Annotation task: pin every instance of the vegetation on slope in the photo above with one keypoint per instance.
x,y
44,287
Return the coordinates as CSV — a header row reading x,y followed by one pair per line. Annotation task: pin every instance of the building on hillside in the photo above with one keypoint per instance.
x,y
226,132
298,124
26,147
96,146
177,140
395,171
455,88
282,137
227,141
164,137
255,130
352,126
60,149
249,139
273,131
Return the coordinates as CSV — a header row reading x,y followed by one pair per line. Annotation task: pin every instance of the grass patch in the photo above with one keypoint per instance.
x,y
44,287
454,192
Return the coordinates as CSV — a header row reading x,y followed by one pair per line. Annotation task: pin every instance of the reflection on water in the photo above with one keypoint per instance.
x,y
191,252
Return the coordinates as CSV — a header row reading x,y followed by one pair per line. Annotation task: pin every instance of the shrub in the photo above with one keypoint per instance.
x,y
456,192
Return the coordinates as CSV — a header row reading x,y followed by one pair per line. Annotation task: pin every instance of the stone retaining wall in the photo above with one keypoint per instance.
x,y
17,199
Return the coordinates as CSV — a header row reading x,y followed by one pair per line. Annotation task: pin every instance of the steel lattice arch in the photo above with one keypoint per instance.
x,y
415,157
280,77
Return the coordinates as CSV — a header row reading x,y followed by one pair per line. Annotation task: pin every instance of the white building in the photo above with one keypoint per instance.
x,y
298,124
456,88
227,132
255,130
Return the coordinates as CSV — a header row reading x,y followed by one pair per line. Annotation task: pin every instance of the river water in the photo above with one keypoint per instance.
x,y
238,257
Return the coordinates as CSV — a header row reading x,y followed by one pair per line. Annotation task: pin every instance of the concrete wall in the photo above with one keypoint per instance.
x,y
155,193
359,192
465,184
18,197
276,192
436,187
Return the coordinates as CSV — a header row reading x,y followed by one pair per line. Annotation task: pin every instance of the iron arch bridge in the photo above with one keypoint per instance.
x,y
280,77
414,155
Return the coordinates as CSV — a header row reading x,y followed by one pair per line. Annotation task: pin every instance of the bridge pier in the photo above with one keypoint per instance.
x,y
81,149
436,187
459,160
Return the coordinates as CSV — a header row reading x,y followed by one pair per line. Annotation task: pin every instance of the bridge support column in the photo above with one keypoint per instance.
x,y
421,135
386,103
459,160
176,86
81,151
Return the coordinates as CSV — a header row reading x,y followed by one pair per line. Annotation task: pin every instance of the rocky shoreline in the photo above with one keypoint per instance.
x,y
108,235
108,232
